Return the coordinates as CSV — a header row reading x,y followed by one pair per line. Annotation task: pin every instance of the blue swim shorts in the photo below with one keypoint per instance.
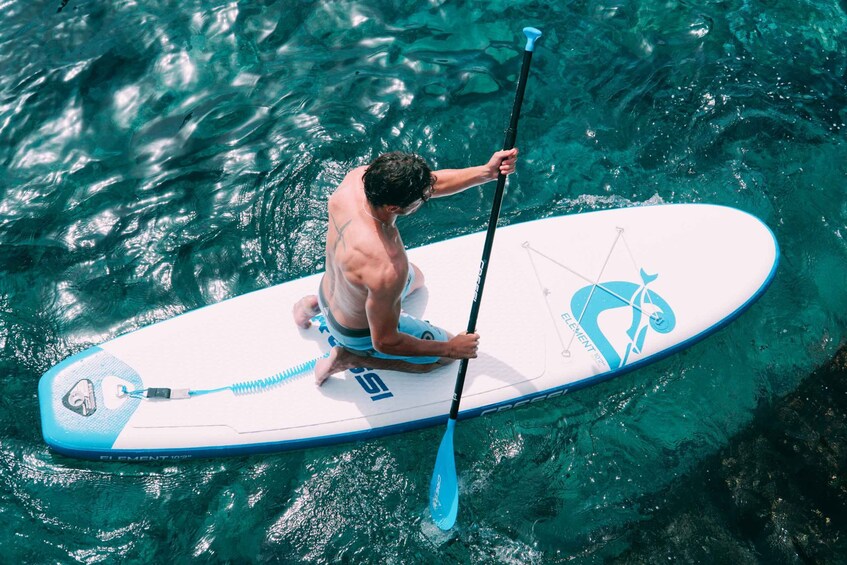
x,y
359,342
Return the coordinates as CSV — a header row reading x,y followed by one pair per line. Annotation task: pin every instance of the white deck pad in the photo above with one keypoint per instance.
x,y
568,301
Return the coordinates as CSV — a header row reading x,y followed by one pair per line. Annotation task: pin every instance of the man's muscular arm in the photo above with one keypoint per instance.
x,y
383,311
451,181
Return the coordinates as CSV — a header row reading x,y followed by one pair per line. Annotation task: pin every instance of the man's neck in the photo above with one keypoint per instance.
x,y
379,214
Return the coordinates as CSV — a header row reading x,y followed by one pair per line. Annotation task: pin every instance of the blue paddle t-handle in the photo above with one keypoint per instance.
x,y
532,36
444,487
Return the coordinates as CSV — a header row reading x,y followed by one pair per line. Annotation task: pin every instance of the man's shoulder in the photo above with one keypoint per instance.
x,y
355,175
348,186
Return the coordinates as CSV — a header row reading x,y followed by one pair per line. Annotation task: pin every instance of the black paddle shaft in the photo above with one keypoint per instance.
x,y
509,143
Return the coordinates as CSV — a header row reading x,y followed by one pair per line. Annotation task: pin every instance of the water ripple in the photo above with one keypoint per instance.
x,y
157,157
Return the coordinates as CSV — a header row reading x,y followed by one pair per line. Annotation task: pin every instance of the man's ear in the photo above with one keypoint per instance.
x,y
393,208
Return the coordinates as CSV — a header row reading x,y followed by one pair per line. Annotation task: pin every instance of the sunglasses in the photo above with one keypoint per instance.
x,y
427,194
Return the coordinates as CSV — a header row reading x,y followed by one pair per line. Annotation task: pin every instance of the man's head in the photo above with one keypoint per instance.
x,y
398,179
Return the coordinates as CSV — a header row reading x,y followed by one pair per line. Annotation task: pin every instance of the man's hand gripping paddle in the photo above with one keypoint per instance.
x,y
444,488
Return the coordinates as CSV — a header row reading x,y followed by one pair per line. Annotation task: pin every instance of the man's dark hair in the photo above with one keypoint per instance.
x,y
397,179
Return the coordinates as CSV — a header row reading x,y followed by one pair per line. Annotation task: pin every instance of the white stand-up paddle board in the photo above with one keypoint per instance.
x,y
568,301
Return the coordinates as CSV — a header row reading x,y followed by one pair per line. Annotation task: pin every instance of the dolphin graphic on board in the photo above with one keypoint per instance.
x,y
649,310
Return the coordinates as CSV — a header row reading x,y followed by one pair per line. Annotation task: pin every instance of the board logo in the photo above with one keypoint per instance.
x,y
80,398
590,305
374,386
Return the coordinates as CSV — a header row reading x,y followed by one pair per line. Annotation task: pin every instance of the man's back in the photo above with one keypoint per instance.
x,y
362,252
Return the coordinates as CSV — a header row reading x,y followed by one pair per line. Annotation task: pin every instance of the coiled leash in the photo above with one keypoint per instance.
x,y
244,387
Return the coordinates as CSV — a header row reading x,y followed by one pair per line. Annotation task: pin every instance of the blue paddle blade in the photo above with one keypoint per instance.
x,y
444,488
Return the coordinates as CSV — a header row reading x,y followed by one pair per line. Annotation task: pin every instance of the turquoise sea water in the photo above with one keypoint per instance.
x,y
158,156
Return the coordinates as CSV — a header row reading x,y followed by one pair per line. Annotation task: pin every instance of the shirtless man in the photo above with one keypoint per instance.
x,y
368,274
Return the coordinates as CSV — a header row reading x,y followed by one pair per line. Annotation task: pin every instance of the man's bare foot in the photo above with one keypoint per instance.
x,y
339,359
304,310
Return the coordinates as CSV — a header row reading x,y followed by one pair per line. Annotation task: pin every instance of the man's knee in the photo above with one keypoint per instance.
x,y
419,280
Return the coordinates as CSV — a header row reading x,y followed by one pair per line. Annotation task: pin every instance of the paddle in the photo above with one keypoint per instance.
x,y
444,488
